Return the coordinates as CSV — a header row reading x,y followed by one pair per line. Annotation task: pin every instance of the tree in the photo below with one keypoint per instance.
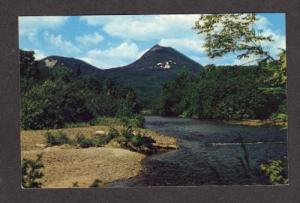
x,y
225,33
31,172
237,33
28,66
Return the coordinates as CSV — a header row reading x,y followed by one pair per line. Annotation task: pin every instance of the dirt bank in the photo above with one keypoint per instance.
x,y
67,165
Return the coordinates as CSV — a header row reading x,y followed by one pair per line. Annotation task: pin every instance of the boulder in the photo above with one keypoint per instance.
x,y
100,132
41,145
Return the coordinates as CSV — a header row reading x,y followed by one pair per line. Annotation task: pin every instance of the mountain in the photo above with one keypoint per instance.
x,y
161,58
146,75
71,63
154,68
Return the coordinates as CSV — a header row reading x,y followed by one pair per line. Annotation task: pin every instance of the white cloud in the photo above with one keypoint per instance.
x,y
59,42
29,26
90,39
194,44
98,20
142,53
262,22
120,55
145,27
279,42
251,60
38,54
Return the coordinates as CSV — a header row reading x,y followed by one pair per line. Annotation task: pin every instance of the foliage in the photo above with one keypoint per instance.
x,y
224,92
134,121
31,172
96,140
54,97
225,33
84,142
101,140
58,138
274,170
139,142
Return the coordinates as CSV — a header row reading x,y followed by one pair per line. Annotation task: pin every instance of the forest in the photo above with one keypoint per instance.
x,y
52,98
227,92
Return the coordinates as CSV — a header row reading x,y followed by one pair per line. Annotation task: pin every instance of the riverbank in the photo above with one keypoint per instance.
x,y
68,166
245,122
256,122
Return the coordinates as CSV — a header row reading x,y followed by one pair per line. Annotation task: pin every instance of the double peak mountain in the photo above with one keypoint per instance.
x,y
156,58
145,75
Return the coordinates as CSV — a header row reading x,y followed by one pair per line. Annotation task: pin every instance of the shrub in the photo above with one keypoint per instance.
x,y
274,170
134,121
84,142
62,138
59,138
31,172
139,121
140,140
139,143
105,121
101,140
279,117
125,136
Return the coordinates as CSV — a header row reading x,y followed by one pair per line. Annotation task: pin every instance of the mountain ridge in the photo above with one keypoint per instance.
x,y
73,64
160,57
146,75
70,62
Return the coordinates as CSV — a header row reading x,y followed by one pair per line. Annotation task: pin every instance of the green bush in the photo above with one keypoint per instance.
x,y
140,140
279,117
101,140
274,170
96,140
84,142
105,121
59,138
31,172
138,121
134,121
139,143
125,136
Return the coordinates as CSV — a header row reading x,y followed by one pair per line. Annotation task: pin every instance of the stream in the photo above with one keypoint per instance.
x,y
209,153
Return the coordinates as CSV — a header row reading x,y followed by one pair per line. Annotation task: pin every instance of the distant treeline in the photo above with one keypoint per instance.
x,y
227,92
54,97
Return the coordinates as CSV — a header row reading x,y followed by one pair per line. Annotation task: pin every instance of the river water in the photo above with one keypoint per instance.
x,y
209,153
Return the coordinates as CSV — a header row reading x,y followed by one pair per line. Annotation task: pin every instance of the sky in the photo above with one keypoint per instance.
x,y
109,41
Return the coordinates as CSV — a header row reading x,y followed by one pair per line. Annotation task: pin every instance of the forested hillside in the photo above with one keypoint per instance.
x,y
226,92
53,97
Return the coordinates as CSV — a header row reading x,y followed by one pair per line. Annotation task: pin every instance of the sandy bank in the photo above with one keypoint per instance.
x,y
66,165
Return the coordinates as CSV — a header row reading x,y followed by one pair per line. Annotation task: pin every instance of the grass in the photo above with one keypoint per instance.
x,y
127,139
136,121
